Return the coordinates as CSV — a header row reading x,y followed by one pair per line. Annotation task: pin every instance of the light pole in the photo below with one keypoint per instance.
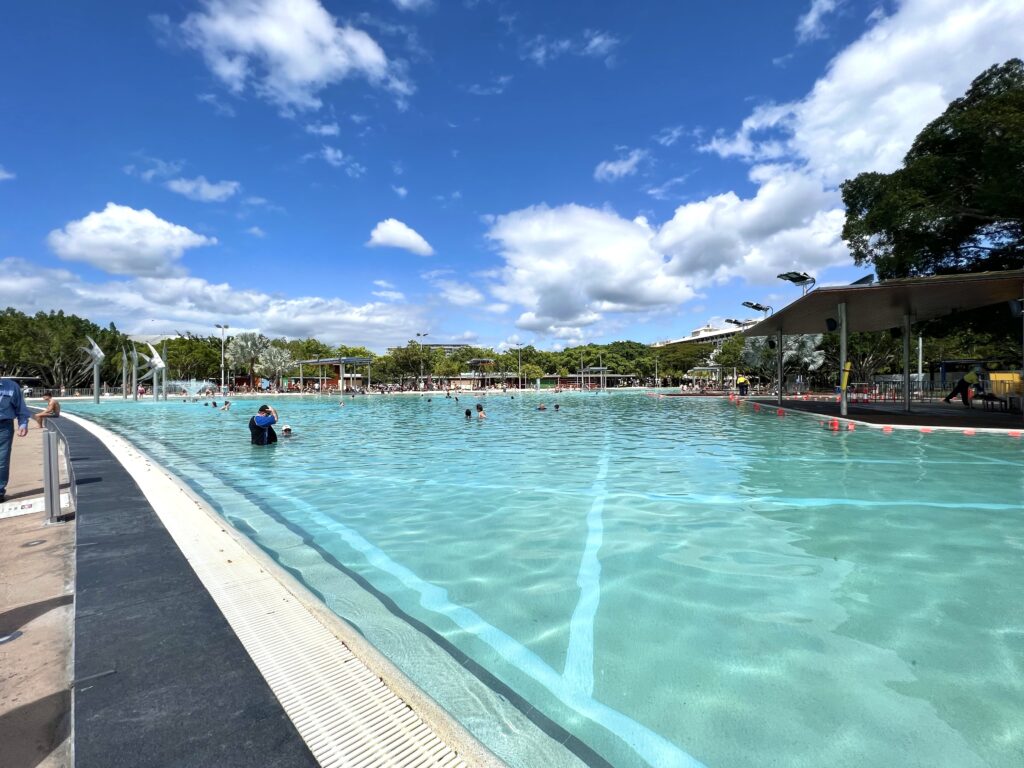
x,y
519,374
420,343
223,388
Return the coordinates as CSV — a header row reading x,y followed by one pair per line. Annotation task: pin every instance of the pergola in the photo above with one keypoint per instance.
x,y
887,304
339,361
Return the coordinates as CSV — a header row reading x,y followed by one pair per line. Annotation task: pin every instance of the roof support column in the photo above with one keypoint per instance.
x,y
843,382
369,378
778,346
906,362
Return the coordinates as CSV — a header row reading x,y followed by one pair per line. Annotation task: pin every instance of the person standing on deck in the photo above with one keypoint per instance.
x,y
12,406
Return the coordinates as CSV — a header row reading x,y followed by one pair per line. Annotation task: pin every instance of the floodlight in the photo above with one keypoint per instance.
x,y
801,279
757,307
734,322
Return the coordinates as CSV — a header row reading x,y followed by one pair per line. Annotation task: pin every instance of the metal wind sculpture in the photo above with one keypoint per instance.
x,y
96,354
135,373
159,372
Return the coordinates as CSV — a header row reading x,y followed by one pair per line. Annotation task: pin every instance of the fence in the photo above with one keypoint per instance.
x,y
57,455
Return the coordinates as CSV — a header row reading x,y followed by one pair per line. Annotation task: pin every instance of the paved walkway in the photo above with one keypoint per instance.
x,y
36,615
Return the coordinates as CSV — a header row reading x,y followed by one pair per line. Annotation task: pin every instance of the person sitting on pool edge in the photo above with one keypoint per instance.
x,y
52,410
261,430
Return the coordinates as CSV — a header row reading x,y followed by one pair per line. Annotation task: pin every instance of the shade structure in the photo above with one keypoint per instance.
x,y
888,304
884,305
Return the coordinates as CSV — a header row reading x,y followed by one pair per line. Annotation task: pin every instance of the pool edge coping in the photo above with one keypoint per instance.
x,y
444,725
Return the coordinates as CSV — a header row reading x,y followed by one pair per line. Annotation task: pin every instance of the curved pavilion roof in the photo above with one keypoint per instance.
x,y
883,305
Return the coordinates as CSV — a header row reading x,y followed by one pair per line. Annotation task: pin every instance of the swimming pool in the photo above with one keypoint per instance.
x,y
653,581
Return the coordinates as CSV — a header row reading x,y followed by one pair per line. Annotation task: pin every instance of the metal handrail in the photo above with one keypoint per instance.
x,y
52,442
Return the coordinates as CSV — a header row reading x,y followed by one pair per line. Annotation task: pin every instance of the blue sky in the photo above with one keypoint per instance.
x,y
493,172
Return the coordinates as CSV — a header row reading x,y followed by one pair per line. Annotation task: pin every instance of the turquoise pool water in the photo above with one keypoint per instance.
x,y
655,581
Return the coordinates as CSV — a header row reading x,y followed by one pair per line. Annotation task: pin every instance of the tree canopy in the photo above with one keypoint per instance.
x,y
957,202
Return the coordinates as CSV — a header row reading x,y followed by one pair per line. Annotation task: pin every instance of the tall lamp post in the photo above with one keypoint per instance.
x,y
223,328
519,374
420,343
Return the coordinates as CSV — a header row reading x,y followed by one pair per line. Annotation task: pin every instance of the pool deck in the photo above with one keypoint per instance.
x,y
928,415
165,669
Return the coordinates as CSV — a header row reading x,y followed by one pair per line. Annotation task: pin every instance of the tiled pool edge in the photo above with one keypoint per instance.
x,y
208,542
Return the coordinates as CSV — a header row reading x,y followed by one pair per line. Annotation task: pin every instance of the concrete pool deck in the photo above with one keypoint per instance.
x,y
171,659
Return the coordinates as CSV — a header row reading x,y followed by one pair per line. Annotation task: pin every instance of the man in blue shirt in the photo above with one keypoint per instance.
x,y
12,406
261,430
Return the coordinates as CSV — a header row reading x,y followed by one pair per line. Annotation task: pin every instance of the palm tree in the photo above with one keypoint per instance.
x,y
273,362
244,350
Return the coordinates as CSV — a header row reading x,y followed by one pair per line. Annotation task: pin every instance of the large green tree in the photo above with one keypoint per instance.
x,y
957,202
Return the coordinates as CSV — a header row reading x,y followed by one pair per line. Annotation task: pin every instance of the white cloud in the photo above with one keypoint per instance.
x,y
811,26
592,44
123,241
323,129
138,305
383,284
669,136
878,93
390,295
496,87
610,170
791,223
400,191
5,175
568,266
202,190
459,294
667,189
225,110
598,44
256,232
393,233
150,168
337,158
412,5
288,51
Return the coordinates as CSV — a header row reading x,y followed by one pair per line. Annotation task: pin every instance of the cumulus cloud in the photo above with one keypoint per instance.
x,y
137,305
123,241
567,266
5,175
392,233
878,93
256,232
627,165
390,295
204,191
288,51
400,191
